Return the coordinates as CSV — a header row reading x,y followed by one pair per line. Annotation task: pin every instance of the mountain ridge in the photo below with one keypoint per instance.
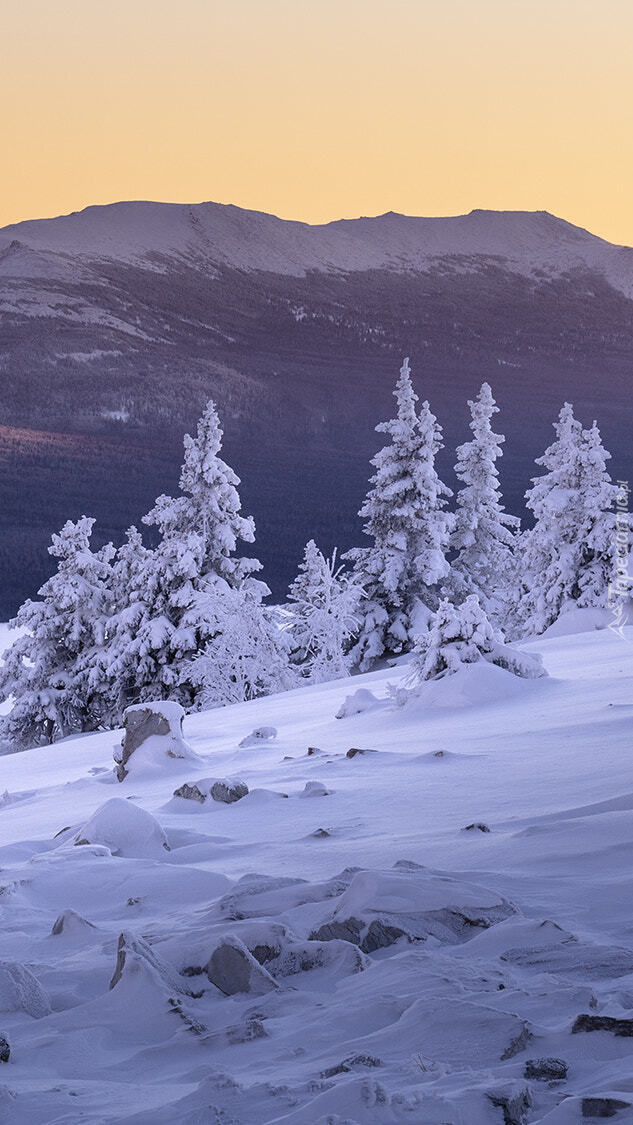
x,y
528,242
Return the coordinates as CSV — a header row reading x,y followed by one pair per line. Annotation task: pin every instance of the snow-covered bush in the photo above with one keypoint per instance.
x,y
405,517
460,635
484,536
569,557
48,668
325,613
245,651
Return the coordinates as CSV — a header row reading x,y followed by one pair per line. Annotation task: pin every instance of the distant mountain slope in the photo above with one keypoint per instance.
x,y
530,243
118,322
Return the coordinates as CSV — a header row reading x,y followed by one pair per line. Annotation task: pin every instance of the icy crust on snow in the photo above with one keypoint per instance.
x,y
352,960
531,243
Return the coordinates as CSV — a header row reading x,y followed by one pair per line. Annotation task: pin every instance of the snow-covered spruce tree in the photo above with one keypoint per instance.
x,y
196,590
117,666
462,634
569,556
404,513
484,536
325,605
47,669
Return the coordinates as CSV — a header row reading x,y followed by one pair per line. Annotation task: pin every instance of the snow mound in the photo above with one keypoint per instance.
x,y
403,993
258,736
315,789
473,684
355,704
125,829
574,620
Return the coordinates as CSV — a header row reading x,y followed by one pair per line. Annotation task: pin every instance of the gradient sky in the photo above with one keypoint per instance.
x,y
320,109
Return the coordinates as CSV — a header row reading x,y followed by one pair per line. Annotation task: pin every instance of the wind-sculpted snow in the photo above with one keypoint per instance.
x,y
356,959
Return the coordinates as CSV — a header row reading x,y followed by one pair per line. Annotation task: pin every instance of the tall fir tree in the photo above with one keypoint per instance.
x,y
405,517
484,536
194,590
325,604
47,669
210,505
569,556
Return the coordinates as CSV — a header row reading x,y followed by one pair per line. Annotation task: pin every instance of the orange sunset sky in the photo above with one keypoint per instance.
x,y
320,109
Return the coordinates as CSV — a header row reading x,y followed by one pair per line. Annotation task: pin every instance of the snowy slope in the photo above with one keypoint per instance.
x,y
530,243
515,932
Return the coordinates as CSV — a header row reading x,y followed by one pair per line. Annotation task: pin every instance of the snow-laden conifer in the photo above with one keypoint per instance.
x,y
463,634
197,591
325,605
569,556
209,505
404,512
119,665
46,670
484,536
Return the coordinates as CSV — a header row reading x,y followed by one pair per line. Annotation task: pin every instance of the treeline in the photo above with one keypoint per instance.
x,y
188,618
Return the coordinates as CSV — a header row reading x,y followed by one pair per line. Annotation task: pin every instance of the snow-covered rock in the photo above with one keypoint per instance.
x,y
192,791
20,991
135,956
229,790
379,908
232,969
71,923
153,737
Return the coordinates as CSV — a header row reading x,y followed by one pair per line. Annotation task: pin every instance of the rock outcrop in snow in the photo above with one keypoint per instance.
x,y
134,956
379,908
153,733
232,969
226,791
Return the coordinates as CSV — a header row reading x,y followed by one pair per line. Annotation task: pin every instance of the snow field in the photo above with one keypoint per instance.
x,y
400,966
